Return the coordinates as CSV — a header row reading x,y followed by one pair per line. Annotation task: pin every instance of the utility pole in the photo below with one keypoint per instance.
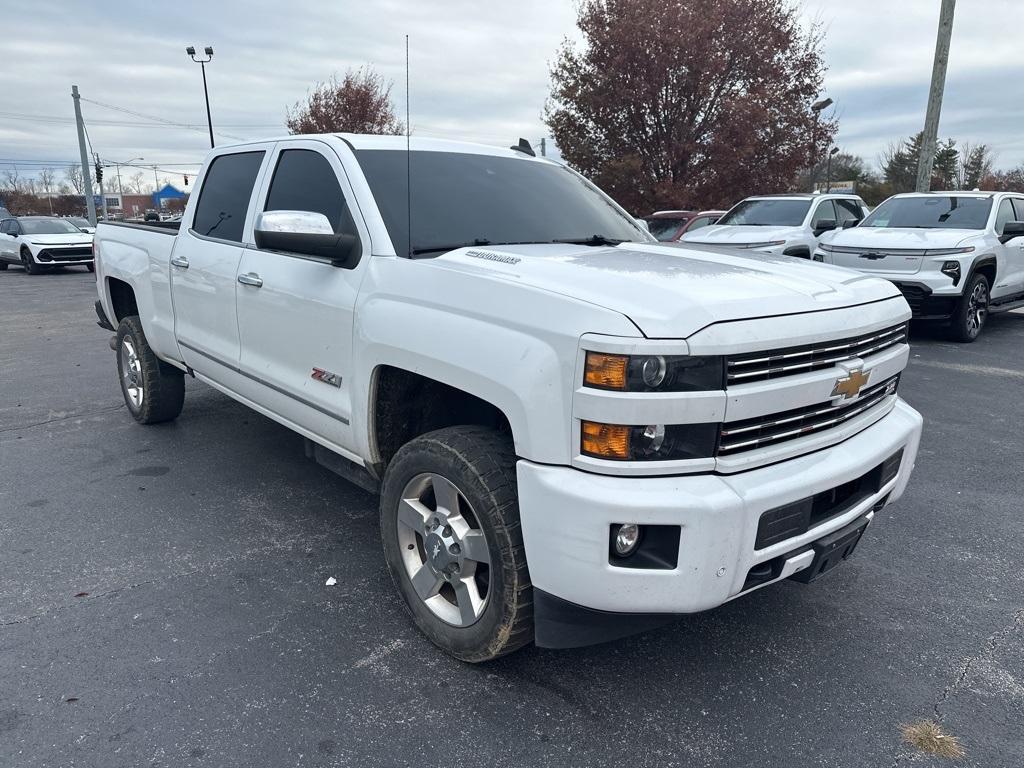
x,y
90,204
931,120
543,147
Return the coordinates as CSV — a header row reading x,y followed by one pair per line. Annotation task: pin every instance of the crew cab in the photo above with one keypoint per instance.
x,y
575,431
789,224
956,256
39,243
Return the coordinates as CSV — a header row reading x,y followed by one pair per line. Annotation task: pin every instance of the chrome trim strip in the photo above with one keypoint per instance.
x,y
265,383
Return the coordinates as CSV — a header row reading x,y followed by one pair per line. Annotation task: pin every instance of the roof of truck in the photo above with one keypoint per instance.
x,y
359,141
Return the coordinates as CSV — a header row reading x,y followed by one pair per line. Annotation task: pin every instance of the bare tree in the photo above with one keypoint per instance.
x,y
46,179
73,174
136,184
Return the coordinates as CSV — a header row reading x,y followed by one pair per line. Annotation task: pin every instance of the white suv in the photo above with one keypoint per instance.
x,y
956,256
787,225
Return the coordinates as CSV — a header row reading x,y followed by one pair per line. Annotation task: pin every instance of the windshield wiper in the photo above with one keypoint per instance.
x,y
592,240
436,248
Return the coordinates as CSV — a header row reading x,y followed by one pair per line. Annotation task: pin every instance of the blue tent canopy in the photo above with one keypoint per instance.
x,y
168,192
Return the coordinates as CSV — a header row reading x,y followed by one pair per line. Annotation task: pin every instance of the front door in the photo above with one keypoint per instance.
x,y
204,265
295,312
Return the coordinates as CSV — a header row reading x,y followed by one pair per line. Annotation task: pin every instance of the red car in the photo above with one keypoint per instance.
x,y
669,226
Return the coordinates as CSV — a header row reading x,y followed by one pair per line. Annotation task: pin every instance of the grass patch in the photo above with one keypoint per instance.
x,y
927,736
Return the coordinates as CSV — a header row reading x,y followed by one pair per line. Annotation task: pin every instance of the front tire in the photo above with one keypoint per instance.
x,y
3,266
449,520
153,390
971,311
29,263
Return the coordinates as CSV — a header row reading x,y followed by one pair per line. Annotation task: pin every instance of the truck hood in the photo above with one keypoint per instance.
x,y
729,234
71,238
895,237
673,290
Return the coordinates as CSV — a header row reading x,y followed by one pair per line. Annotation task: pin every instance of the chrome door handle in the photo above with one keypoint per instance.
x,y
179,261
250,278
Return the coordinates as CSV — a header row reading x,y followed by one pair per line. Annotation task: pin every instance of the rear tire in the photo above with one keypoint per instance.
x,y
153,390
971,311
449,520
29,263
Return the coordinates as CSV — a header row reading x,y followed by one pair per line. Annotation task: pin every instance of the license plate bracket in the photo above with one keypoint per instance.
x,y
832,550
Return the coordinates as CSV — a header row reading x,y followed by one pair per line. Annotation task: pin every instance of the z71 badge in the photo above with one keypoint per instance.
x,y
326,377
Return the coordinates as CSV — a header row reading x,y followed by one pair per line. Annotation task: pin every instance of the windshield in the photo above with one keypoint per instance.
x,y
665,229
78,222
48,227
465,199
951,212
767,213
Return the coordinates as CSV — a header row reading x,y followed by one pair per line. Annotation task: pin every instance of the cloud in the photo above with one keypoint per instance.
x,y
479,70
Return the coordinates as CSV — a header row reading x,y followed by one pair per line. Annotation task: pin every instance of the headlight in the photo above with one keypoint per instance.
x,y
653,373
769,244
650,442
825,247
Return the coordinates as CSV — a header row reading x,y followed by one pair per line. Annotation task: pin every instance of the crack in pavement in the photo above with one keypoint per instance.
x,y
989,648
54,420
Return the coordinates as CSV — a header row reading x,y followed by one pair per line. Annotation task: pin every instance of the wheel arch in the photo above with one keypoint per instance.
x,y
986,264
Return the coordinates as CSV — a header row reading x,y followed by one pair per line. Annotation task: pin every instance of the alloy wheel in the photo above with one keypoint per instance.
x,y
131,373
444,550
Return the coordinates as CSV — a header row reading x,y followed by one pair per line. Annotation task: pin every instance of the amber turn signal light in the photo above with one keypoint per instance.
x,y
605,441
606,371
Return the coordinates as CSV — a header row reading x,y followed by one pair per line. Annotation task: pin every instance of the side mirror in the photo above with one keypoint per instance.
x,y
824,225
1011,230
849,224
307,233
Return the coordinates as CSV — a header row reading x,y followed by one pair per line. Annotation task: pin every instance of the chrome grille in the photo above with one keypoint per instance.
x,y
736,437
776,363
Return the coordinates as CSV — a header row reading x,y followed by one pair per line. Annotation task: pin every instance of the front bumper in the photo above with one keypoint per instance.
x,y
567,514
56,255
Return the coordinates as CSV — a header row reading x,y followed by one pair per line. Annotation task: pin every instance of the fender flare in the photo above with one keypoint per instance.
x,y
799,251
983,260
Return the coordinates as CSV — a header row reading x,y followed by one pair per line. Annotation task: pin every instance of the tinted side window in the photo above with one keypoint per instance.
x,y
848,210
1018,203
305,181
825,211
224,198
5,227
1003,215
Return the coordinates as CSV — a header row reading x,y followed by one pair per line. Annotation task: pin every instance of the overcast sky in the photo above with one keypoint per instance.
x,y
479,70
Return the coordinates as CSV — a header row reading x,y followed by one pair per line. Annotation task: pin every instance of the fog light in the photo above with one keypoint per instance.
x,y
626,539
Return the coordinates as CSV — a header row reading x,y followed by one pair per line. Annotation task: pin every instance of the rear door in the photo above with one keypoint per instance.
x,y
295,312
204,263
1010,209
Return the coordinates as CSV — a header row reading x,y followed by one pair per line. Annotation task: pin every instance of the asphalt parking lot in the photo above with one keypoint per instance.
x,y
162,598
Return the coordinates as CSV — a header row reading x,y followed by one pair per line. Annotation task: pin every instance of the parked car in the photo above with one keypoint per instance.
x,y
668,226
575,431
5,214
789,225
956,256
82,223
39,243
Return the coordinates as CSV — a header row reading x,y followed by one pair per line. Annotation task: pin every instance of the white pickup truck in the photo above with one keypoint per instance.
x,y
576,432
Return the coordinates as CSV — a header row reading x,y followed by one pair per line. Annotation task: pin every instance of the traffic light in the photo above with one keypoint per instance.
x,y
99,173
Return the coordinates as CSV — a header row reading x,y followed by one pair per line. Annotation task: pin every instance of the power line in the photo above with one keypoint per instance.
x,y
156,119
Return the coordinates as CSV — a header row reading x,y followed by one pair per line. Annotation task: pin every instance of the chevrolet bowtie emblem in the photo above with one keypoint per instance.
x,y
850,385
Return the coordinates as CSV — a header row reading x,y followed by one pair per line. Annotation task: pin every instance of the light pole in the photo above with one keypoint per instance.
x,y
828,173
191,51
816,108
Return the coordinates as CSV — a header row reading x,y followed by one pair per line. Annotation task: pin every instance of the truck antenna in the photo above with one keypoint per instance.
x,y
408,154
